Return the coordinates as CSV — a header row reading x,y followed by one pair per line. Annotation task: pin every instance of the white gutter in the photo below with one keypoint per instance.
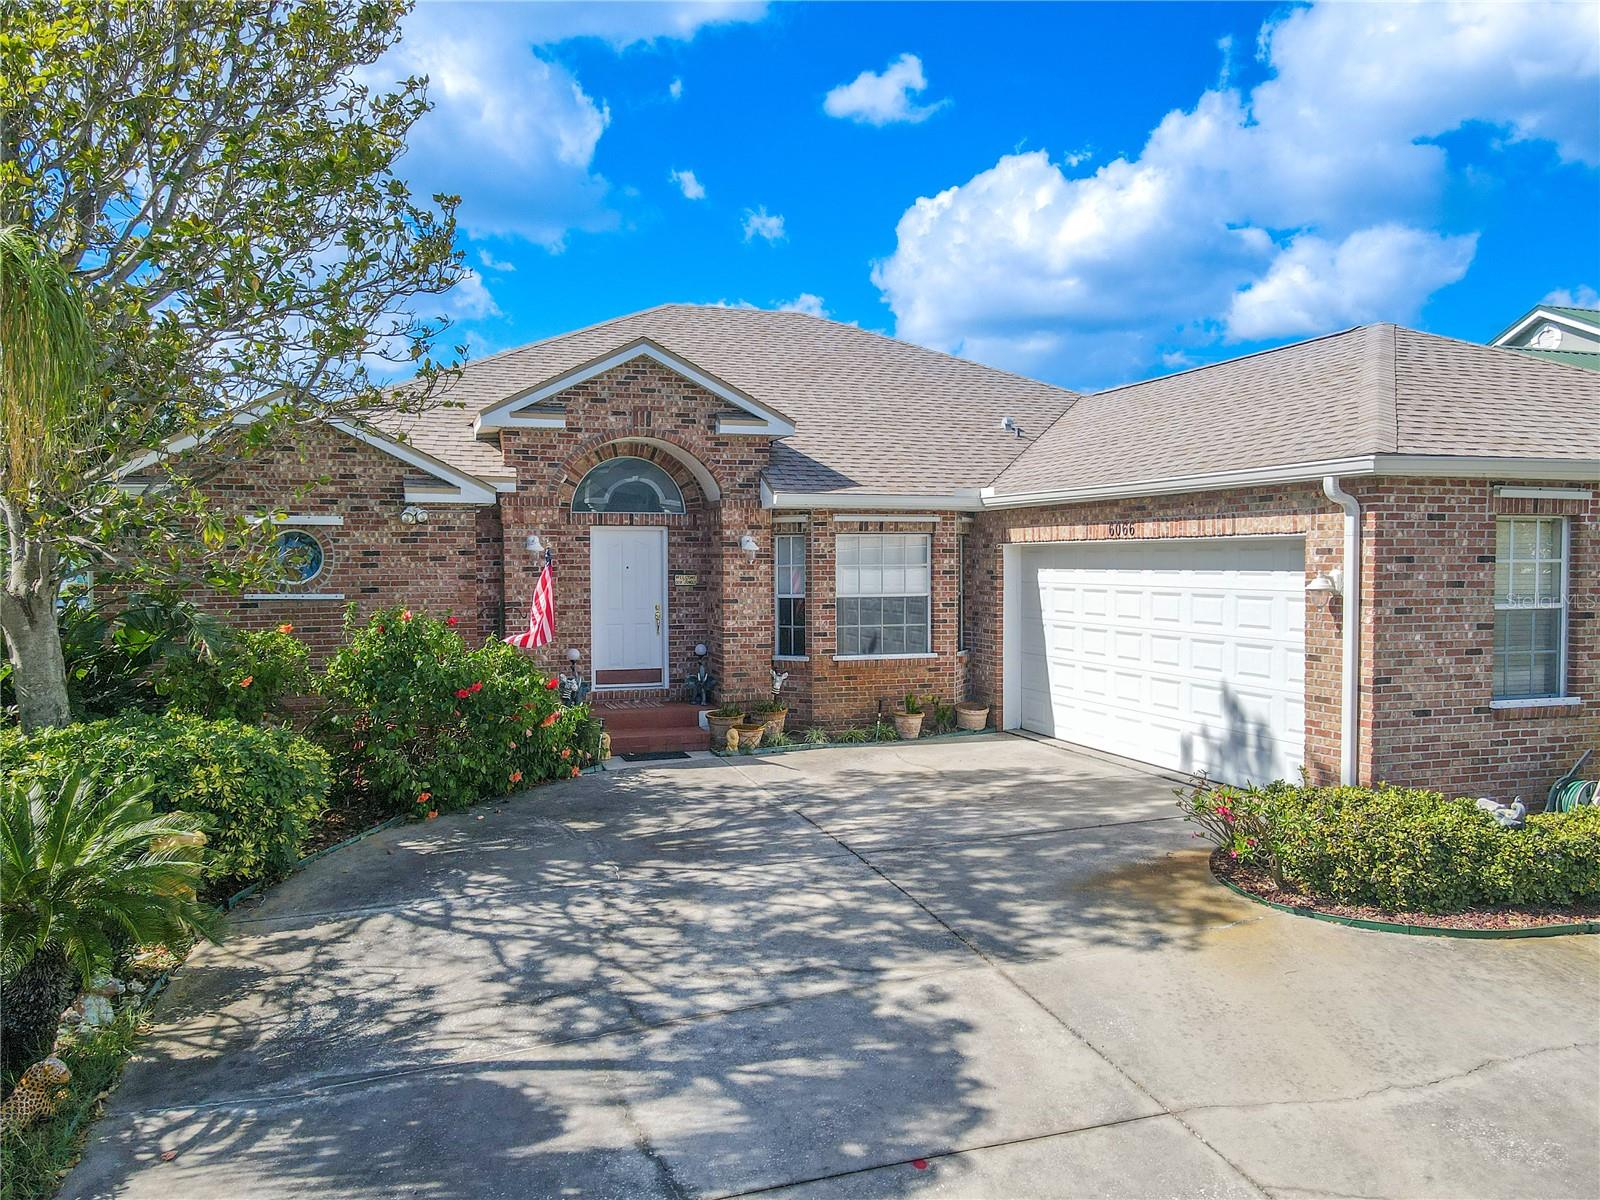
x,y
1350,669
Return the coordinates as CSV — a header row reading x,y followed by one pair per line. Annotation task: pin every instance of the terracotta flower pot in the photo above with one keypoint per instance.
x,y
972,715
908,725
719,727
774,721
750,735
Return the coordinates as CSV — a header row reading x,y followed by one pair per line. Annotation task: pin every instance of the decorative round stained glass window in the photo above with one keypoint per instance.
x,y
627,485
299,554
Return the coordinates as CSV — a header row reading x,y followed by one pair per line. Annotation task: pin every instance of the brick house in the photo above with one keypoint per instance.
x,y
1186,571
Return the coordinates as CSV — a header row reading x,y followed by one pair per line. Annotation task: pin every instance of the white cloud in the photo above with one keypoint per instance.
x,y
883,98
1582,296
806,302
1259,195
758,222
1313,285
675,89
512,131
468,300
691,187
491,263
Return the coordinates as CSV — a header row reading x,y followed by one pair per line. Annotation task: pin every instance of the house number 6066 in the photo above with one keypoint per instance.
x,y
1120,529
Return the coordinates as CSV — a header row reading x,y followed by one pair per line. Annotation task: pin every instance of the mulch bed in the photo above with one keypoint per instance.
x,y
1259,883
345,817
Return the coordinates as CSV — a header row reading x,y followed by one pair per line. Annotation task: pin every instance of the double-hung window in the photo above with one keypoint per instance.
x,y
882,604
1530,603
790,553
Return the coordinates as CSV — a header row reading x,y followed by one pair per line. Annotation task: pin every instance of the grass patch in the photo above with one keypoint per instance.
x,y
33,1161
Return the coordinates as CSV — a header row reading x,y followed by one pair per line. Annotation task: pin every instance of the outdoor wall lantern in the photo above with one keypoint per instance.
x,y
535,546
413,514
750,546
1331,582
572,654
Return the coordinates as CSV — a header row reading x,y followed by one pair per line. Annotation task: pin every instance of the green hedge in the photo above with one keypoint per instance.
x,y
1403,849
258,790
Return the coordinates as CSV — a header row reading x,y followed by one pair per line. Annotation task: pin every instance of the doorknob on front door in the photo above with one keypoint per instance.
x,y
658,618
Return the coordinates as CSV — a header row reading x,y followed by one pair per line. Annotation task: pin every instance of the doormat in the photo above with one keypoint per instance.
x,y
654,755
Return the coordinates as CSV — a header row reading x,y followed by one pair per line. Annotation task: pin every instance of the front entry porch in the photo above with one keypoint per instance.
x,y
648,726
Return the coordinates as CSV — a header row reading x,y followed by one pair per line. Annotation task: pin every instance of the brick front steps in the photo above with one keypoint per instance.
x,y
637,728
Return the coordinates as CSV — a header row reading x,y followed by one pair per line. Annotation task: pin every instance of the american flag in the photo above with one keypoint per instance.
x,y
542,614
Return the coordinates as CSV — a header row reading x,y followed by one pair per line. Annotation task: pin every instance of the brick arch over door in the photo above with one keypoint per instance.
x,y
694,480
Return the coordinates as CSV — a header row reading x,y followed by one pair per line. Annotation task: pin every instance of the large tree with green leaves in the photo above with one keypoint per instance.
x,y
211,185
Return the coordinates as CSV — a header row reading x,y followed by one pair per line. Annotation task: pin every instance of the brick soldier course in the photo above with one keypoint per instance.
x,y
778,424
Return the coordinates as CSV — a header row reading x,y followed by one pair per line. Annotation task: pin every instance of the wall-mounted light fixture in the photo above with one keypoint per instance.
x,y
750,546
1331,582
535,546
572,654
413,514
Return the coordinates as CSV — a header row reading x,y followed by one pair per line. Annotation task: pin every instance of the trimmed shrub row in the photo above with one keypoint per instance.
x,y
1402,849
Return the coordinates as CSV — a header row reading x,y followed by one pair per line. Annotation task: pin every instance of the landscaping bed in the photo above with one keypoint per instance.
x,y
1256,882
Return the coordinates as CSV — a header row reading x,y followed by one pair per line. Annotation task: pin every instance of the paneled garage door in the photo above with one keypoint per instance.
x,y
1186,654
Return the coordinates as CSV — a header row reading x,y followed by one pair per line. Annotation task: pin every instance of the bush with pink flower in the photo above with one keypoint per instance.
x,y
412,711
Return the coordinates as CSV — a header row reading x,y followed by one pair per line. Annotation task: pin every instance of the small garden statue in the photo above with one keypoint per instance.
x,y
777,683
574,689
702,684
36,1095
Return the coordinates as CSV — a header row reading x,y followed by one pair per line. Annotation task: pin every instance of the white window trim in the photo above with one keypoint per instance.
x,y
1562,695
837,596
805,581
1539,702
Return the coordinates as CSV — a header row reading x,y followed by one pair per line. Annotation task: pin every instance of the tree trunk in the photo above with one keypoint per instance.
x,y
39,670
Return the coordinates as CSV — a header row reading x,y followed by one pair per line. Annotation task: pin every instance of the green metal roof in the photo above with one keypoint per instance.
x,y
1588,359
1589,316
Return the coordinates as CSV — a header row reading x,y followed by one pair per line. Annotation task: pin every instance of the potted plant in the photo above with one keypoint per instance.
x,y
772,712
720,720
972,714
908,719
750,734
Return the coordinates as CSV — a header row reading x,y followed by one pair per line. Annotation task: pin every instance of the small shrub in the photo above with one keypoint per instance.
x,y
851,737
778,739
421,723
883,731
767,707
1401,849
246,677
729,709
815,737
913,704
256,790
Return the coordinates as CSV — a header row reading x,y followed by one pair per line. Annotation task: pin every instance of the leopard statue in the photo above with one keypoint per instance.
x,y
36,1095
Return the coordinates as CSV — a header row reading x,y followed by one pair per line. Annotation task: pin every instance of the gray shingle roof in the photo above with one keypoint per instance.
x,y
872,414
1379,389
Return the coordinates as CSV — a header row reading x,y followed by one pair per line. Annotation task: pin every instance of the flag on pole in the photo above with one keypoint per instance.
x,y
541,614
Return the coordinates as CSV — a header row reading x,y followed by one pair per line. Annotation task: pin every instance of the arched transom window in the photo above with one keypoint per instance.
x,y
627,485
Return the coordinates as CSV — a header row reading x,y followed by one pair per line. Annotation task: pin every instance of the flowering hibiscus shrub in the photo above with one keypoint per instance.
x,y
421,723
245,676
1400,849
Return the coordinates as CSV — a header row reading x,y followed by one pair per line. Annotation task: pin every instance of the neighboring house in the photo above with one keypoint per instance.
x,y
1558,332
1185,571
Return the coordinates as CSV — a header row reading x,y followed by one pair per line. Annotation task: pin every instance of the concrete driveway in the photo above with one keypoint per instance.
x,y
984,968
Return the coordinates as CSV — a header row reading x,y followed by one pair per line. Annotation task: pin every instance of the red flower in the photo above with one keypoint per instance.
x,y
425,797
450,621
1225,813
247,681
566,752
463,693
406,616
574,772
516,777
380,628
549,721
477,687
286,628
552,684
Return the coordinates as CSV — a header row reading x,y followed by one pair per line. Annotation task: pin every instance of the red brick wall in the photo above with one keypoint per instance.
x,y
728,605
1293,509
372,559
1430,722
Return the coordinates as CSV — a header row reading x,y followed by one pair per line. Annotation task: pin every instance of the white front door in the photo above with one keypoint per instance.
x,y
1186,654
628,606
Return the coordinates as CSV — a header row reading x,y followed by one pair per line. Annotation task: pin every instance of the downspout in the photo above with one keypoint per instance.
x,y
1350,672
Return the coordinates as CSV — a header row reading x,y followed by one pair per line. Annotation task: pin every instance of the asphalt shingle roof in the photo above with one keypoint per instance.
x,y
872,414
1379,389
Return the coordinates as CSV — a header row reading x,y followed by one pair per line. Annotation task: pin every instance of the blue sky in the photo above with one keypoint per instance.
x,y
1088,193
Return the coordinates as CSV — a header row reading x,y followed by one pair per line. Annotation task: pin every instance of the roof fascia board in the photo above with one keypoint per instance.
x,y
1544,314
469,488
965,500
767,422
1426,466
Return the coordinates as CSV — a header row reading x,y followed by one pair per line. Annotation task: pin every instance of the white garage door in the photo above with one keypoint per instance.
x,y
1186,654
